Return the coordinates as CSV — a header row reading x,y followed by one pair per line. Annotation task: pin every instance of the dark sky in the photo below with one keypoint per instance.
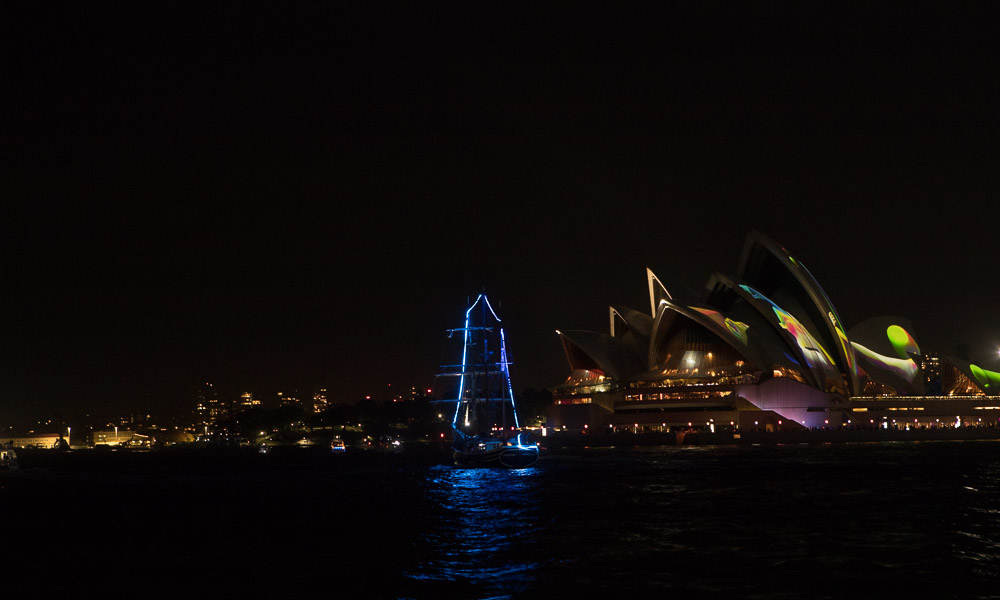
x,y
302,198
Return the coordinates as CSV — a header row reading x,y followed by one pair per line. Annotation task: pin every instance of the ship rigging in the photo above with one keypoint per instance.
x,y
487,431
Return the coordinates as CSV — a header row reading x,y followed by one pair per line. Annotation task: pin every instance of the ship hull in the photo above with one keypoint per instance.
x,y
505,457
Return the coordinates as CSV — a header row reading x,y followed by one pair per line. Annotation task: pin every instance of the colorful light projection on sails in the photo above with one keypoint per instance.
x,y
834,319
904,369
738,329
844,342
902,342
990,380
812,350
827,305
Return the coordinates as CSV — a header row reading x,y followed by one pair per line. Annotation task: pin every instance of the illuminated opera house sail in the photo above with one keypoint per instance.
x,y
764,348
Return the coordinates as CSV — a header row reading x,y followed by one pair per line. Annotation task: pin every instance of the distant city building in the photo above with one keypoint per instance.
x,y
208,408
320,401
930,366
248,401
290,399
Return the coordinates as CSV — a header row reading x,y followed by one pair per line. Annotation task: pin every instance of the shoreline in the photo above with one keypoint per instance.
x,y
417,454
743,438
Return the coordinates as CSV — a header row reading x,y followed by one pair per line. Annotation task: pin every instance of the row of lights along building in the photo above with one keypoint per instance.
x,y
209,409
134,430
92,438
764,349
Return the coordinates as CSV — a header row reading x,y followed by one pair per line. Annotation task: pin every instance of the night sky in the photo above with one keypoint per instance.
x,y
290,200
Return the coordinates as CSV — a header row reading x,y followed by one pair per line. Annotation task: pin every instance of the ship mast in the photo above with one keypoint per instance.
x,y
475,389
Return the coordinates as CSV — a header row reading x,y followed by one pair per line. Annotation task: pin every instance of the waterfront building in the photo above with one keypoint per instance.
x,y
762,349
111,437
32,440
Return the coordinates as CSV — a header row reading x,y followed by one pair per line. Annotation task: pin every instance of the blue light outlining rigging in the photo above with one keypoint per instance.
x,y
465,347
505,366
474,448
491,308
506,372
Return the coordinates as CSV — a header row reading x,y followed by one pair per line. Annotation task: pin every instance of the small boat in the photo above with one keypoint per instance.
x,y
484,400
337,446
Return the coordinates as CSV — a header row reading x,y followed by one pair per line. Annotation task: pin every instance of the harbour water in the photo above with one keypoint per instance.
x,y
841,520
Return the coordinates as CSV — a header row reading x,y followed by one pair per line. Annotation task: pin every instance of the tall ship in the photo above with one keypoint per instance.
x,y
486,429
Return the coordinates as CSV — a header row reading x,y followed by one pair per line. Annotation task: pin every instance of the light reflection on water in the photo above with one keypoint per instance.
x,y
762,522
481,521
841,521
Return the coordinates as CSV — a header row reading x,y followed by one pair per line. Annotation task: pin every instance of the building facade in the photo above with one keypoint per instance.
x,y
320,401
208,407
247,401
288,399
763,348
38,440
111,437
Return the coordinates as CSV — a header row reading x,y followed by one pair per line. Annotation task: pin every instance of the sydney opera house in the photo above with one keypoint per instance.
x,y
763,349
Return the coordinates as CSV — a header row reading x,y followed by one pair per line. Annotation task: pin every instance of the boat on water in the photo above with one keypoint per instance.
x,y
479,451
485,424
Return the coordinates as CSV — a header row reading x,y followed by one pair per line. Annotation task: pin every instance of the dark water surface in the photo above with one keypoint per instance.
x,y
764,522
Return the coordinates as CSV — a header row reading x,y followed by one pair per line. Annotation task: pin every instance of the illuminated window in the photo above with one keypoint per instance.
x,y
569,401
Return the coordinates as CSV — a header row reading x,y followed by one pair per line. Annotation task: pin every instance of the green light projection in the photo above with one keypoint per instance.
x,y
902,342
987,379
